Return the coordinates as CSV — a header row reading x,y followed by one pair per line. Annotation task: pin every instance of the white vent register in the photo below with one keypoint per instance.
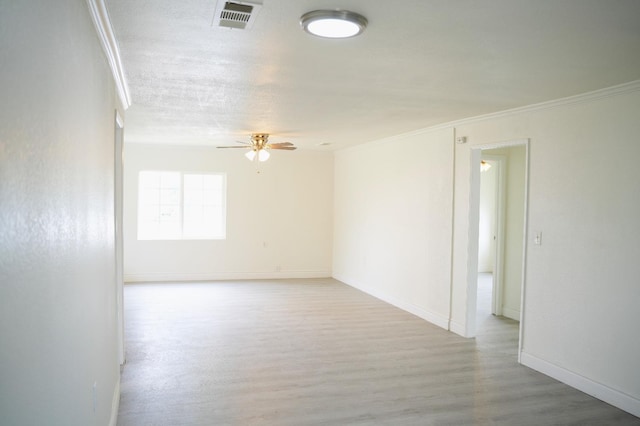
x,y
236,14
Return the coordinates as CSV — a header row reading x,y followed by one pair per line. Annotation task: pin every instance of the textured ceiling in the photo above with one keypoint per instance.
x,y
418,63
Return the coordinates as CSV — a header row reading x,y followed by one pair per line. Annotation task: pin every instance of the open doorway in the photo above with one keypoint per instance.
x,y
493,170
496,265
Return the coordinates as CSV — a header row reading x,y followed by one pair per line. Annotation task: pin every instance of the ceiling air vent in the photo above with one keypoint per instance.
x,y
236,14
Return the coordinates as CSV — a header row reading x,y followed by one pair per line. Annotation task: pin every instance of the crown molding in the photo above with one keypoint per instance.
x,y
607,92
101,21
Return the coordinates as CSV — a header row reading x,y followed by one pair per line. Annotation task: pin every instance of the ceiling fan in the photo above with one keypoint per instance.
x,y
260,145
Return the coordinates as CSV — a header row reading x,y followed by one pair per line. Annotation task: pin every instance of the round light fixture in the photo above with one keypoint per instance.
x,y
261,153
333,23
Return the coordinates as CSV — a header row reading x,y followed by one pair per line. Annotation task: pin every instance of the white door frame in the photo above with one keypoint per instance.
x,y
474,217
118,224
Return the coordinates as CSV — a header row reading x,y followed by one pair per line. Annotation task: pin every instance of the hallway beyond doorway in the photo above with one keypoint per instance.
x,y
494,333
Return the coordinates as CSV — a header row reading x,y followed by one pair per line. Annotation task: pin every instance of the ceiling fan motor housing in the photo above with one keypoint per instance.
x,y
260,139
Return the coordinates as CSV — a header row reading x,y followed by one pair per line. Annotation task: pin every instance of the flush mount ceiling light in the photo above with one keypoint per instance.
x,y
333,23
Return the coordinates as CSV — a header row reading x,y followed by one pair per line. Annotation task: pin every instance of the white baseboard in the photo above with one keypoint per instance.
x,y
616,398
432,317
115,404
511,313
221,276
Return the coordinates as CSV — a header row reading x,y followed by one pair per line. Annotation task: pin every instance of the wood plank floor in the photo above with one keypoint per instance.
x,y
318,352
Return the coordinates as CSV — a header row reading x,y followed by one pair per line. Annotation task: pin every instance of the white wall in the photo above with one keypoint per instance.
x,y
279,221
57,293
392,234
514,231
487,225
581,294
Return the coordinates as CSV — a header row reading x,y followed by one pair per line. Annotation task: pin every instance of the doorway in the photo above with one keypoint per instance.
x,y
497,226
493,171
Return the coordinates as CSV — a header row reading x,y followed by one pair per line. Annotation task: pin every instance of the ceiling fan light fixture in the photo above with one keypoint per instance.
x,y
259,147
263,155
333,23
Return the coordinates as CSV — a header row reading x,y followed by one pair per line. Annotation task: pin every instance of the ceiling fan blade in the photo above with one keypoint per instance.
x,y
280,144
243,147
286,148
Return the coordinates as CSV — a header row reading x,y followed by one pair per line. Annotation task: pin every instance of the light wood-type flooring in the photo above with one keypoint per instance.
x,y
318,352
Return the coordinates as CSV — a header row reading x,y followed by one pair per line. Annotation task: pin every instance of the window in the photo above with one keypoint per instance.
x,y
176,205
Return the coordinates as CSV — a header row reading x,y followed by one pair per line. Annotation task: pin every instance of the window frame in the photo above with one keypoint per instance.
x,y
180,236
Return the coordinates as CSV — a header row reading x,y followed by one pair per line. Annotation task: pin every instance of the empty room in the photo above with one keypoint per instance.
x,y
319,212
